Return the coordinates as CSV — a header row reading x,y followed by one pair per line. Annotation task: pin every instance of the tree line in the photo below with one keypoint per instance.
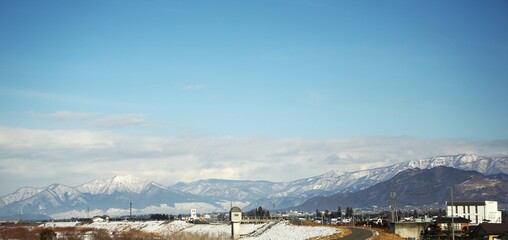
x,y
338,214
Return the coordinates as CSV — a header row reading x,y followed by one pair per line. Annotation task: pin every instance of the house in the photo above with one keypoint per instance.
x,y
503,236
443,227
491,231
477,212
98,219
459,223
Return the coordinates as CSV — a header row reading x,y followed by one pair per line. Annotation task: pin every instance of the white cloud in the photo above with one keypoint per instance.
x,y
72,157
95,120
194,87
66,115
119,121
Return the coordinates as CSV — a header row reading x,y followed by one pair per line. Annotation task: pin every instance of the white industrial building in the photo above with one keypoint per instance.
x,y
193,214
477,212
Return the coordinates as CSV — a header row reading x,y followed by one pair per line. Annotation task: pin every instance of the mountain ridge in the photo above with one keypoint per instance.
x,y
287,194
419,187
105,196
115,193
127,183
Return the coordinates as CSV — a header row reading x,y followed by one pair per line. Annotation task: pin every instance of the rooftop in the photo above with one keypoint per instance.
x,y
455,220
465,203
493,228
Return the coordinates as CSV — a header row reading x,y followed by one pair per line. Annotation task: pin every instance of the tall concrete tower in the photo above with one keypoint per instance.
x,y
235,215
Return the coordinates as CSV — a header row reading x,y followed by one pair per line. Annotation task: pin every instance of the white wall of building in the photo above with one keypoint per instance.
x,y
475,211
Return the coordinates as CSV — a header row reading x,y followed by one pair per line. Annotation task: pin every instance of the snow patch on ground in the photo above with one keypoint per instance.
x,y
219,229
59,224
281,230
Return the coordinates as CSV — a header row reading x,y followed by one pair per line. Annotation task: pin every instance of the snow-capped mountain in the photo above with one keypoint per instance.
x,y
334,181
484,165
229,189
20,194
290,194
420,187
55,197
127,184
113,196
107,196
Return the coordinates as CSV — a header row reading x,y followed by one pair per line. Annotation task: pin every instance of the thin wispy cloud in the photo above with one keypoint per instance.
x,y
67,115
94,120
119,121
191,87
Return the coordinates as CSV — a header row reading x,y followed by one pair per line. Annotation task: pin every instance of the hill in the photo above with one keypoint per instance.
x,y
419,187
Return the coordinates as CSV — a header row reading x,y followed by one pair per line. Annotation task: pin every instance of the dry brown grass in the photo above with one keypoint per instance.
x,y
18,232
136,234
343,232
309,223
385,235
198,236
76,233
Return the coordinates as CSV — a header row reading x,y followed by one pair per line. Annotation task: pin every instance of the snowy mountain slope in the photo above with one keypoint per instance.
x,y
419,187
293,193
20,194
128,184
116,193
334,181
106,195
484,165
228,189
54,197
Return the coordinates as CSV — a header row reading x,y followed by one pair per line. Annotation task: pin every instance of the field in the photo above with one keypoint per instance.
x,y
168,230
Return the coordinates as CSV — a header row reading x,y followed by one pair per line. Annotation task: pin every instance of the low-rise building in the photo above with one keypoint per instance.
x,y
459,224
477,212
410,230
490,231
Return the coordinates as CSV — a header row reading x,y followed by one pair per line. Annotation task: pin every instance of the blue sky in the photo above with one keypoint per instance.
x,y
277,70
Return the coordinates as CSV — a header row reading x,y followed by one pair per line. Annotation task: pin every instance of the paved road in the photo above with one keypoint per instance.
x,y
357,234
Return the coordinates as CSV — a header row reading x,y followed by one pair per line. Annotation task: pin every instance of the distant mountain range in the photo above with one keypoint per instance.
x,y
417,187
113,196
108,196
289,194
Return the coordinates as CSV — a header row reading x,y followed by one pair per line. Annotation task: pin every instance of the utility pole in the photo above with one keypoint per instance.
x,y
273,210
394,206
130,211
453,221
